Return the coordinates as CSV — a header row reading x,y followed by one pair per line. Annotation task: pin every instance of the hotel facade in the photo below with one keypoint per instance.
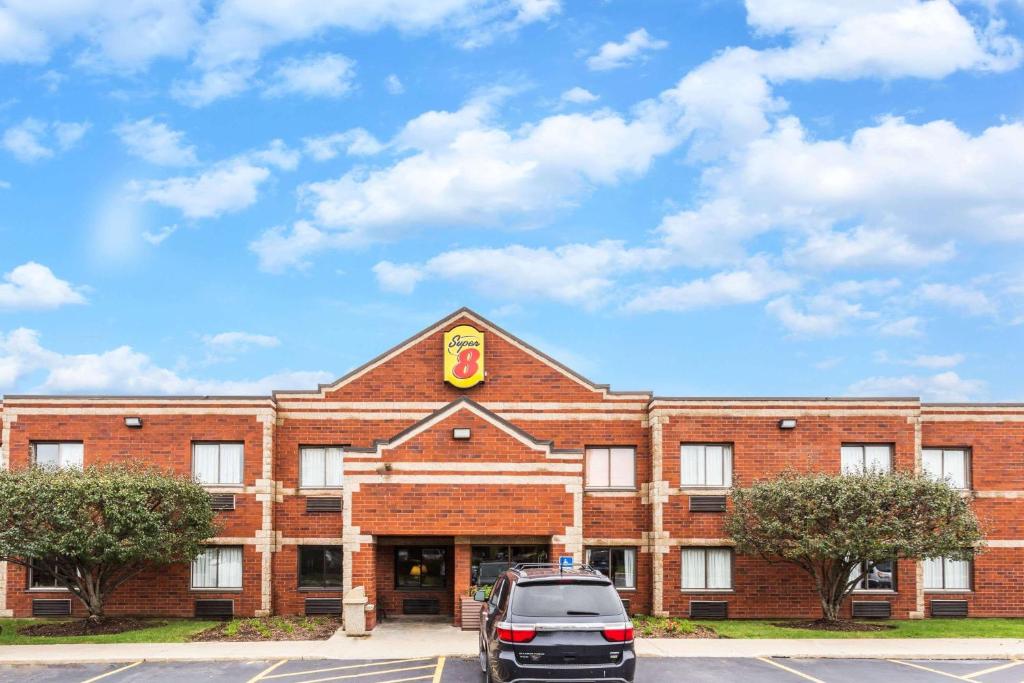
x,y
464,445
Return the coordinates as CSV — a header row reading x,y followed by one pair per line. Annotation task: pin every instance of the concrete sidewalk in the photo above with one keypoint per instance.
x,y
397,640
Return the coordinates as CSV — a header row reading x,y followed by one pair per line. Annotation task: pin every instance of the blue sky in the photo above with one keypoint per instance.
x,y
777,197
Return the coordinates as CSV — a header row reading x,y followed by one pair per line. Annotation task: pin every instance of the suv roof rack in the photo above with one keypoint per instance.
x,y
521,567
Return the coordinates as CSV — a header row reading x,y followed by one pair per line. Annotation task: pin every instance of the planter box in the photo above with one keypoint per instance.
x,y
471,610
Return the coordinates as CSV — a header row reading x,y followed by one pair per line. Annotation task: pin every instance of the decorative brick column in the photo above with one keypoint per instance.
x,y
5,463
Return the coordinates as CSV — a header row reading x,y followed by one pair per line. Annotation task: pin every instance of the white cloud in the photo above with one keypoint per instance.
x,y
279,249
398,277
34,286
631,50
943,387
393,84
157,238
240,341
226,188
578,95
212,86
909,326
122,370
4,185
937,361
754,283
323,75
866,248
354,142
965,299
277,154
32,139
821,315
156,143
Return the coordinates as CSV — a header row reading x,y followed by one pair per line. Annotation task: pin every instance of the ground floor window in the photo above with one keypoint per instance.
x,y
941,573
707,568
320,566
618,564
487,562
875,576
218,567
421,567
42,579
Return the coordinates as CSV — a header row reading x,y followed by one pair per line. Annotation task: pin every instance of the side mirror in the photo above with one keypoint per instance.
x,y
480,595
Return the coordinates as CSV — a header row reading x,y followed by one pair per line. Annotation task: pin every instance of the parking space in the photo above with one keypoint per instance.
x,y
464,670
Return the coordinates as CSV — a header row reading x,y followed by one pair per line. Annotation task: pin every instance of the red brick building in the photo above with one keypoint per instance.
x,y
395,480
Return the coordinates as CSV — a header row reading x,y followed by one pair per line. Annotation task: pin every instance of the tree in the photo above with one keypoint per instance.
x,y
94,529
828,525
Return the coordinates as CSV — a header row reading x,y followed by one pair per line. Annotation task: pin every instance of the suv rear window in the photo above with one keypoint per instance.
x,y
560,599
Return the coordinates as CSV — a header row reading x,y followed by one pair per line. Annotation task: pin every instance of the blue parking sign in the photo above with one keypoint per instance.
x,y
565,562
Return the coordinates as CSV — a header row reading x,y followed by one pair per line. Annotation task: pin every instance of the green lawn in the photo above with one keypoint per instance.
x,y
173,631
925,628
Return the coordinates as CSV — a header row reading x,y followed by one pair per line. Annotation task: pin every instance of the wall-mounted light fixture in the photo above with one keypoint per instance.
x,y
133,422
787,423
461,433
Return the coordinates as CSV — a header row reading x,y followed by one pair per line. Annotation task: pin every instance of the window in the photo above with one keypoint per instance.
x,y
320,467
858,459
949,464
942,573
707,569
217,463
320,566
218,567
421,567
62,454
874,576
488,561
706,465
43,580
618,564
611,468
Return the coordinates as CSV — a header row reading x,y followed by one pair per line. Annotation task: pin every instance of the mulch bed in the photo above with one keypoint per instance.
x,y
271,628
84,627
842,625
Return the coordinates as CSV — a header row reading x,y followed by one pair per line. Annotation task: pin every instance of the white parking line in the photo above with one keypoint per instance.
x,y
929,670
263,674
383,662
374,673
111,673
801,674
992,670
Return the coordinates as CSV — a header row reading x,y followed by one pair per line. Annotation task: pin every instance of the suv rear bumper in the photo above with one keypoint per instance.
x,y
511,671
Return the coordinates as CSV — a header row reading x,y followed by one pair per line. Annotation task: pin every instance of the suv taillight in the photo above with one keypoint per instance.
x,y
618,635
516,634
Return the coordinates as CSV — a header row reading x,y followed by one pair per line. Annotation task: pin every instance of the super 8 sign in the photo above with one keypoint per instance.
x,y
464,356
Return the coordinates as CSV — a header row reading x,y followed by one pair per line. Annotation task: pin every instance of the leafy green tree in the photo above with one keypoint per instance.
x,y
828,525
94,529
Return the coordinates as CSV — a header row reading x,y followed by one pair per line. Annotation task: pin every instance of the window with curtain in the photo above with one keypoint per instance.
x,y
860,458
423,568
218,567
320,467
942,573
948,464
618,564
61,454
611,468
874,576
706,465
217,463
320,567
707,568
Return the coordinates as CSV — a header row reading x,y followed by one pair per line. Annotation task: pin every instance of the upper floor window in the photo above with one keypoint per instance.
x,y
860,458
949,464
618,564
706,465
942,573
320,467
874,576
611,468
217,463
63,454
218,567
707,568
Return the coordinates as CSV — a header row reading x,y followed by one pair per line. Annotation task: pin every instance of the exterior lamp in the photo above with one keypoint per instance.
x,y
461,433
787,423
133,422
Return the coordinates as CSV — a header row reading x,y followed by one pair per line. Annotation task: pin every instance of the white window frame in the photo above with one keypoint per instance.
x,y
329,452
706,551
726,467
61,447
943,473
42,589
218,549
625,549
219,445
863,457
861,585
595,450
942,565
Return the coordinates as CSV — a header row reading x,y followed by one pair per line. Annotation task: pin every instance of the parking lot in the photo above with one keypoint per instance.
x,y
457,670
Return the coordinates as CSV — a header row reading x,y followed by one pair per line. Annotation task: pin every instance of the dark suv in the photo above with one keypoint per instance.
x,y
543,623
